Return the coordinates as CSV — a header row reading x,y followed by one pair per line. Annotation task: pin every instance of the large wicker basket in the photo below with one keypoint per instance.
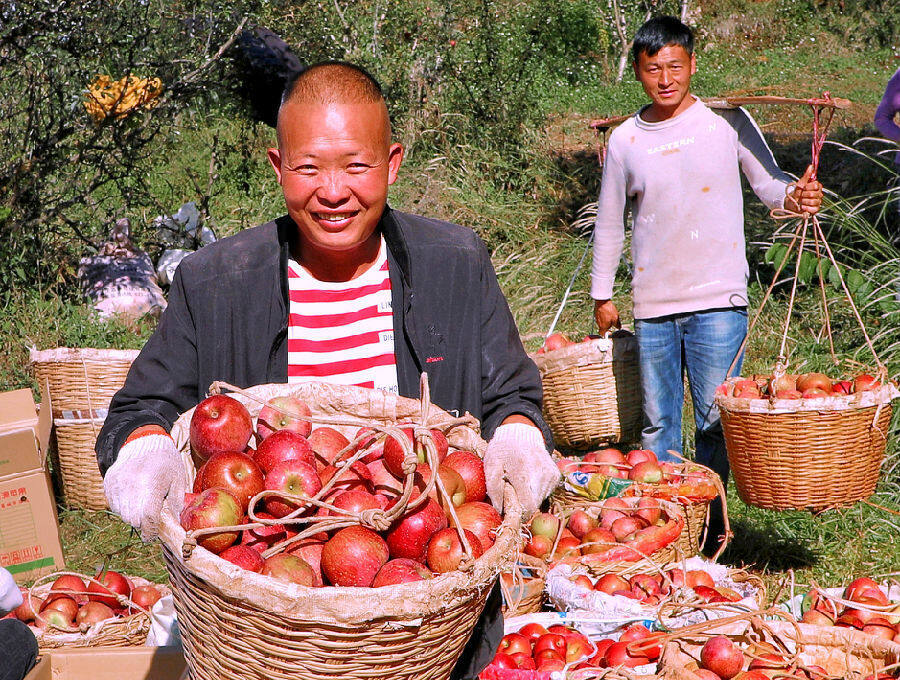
x,y
239,625
81,383
807,454
592,392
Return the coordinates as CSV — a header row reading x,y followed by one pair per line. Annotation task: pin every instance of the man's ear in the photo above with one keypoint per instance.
x,y
693,63
395,158
274,156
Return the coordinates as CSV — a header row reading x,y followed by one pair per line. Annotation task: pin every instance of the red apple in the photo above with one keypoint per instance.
x,y
610,583
109,584
263,538
769,662
597,541
524,661
357,476
618,655
545,524
452,482
513,643
244,557
552,641
64,604
408,537
577,647
567,547
817,618
236,473
842,387
647,472
865,586
91,613
640,456
401,570
327,443
864,382
445,550
538,546
31,605
144,597
720,656
367,437
219,424
580,523
68,585
283,413
556,341
698,577
502,660
309,550
290,477
383,481
393,451
281,446
814,393
649,510
355,501
354,555
532,631
625,526
788,394
289,568
471,468
481,519
608,456
56,620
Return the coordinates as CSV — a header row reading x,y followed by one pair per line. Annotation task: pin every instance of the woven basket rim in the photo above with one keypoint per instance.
x,y
80,354
595,351
878,396
339,604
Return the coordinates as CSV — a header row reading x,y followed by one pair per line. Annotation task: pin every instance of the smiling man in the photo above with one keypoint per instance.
x,y
342,289
676,166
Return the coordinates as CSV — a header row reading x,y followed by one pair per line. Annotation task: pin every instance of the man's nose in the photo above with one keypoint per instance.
x,y
333,188
665,77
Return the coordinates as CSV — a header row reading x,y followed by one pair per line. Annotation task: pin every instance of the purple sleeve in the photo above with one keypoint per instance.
x,y
888,108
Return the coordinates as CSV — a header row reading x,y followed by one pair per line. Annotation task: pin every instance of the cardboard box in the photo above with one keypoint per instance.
x,y
23,434
29,532
110,663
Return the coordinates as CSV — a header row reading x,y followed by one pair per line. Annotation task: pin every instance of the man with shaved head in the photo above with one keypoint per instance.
x,y
342,289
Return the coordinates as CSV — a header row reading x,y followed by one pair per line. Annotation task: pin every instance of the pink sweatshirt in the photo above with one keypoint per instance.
x,y
681,180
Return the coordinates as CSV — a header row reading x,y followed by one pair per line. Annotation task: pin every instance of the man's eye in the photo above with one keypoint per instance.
x,y
306,169
357,167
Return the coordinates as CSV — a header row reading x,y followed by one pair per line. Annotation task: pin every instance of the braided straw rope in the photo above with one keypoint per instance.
x,y
80,382
239,625
592,392
124,631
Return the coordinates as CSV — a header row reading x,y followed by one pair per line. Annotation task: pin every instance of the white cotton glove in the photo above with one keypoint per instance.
x,y
10,595
147,470
517,453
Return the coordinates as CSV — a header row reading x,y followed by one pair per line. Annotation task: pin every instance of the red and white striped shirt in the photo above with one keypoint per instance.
x,y
342,332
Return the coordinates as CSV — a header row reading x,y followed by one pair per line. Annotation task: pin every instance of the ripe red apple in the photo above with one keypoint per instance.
x,y
309,550
219,424
817,618
357,476
864,382
244,557
265,537
355,501
698,577
91,613
445,550
383,481
720,656
408,537
532,631
814,393
327,444
55,619
769,662
618,655
580,523
788,394
640,456
610,583
842,387
703,674
68,585
452,482
544,524
286,413
502,660
289,568
236,473
810,381
647,472
556,341
212,508
471,468
879,627
577,646
393,451
280,446
291,477
353,556
64,604
551,641
865,586
538,546
624,527
367,437
481,519
109,584
144,597
28,610
649,510
524,661
597,541
608,456
513,643
401,570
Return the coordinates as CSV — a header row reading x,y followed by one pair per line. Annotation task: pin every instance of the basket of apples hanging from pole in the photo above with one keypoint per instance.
x,y
806,442
286,589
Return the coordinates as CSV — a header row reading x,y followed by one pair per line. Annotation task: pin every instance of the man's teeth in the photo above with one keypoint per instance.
x,y
335,217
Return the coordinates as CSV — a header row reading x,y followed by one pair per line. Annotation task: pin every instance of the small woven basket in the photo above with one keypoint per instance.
x,y
522,587
239,625
81,383
806,454
123,631
592,392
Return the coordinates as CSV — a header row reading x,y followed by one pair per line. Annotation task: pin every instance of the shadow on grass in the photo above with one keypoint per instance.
x,y
761,547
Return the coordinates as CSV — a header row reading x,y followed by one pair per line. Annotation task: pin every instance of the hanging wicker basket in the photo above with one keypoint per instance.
x,y
81,382
806,454
239,625
592,392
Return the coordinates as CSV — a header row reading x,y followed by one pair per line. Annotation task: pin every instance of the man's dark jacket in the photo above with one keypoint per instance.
x,y
228,314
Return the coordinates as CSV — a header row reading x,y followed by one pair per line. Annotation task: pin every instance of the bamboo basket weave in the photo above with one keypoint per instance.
x,y
807,454
81,383
523,593
592,392
239,625
125,631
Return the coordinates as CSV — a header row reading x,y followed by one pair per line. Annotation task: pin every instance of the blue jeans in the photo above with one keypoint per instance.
x,y
702,344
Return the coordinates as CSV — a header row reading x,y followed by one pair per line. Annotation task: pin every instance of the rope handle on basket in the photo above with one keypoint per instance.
x,y
565,297
377,519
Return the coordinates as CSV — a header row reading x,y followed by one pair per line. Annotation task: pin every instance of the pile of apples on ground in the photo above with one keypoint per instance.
x,y
73,605
650,589
789,386
293,458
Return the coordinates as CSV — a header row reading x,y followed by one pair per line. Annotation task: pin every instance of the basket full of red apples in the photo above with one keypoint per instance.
x,y
109,609
805,442
356,542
